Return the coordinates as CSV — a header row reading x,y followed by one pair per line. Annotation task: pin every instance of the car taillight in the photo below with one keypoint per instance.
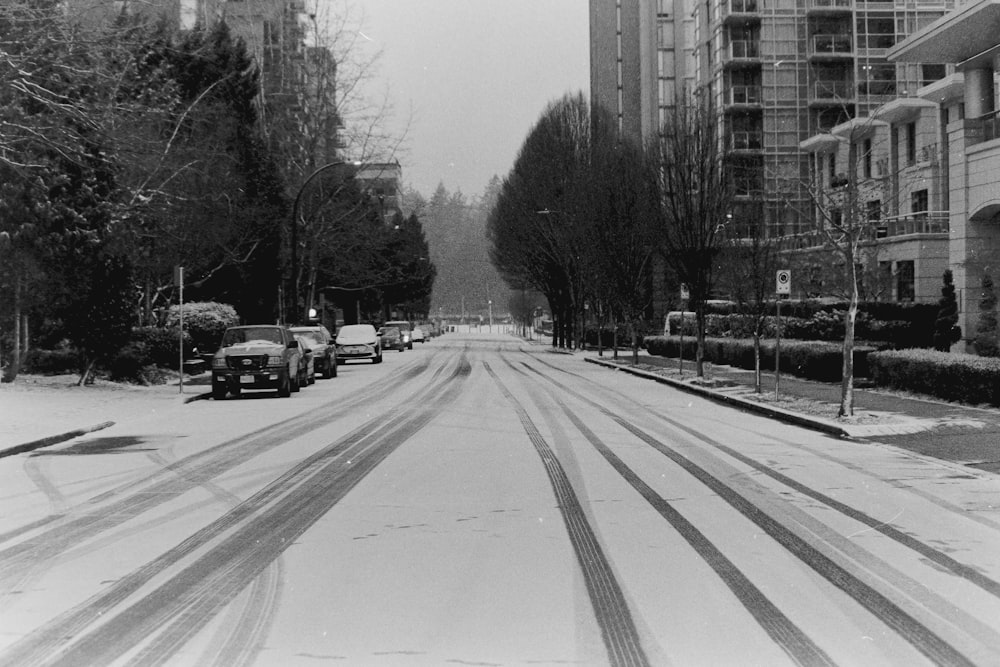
x,y
218,362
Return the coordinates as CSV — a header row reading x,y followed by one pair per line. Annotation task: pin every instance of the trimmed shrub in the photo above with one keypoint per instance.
x,y
160,345
52,362
986,343
205,322
127,365
946,329
963,378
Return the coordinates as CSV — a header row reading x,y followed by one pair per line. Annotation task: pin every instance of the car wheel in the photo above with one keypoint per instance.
x,y
378,358
235,391
295,384
285,386
329,369
312,377
218,391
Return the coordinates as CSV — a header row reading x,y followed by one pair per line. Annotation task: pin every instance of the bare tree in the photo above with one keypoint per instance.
x,y
845,223
749,261
695,197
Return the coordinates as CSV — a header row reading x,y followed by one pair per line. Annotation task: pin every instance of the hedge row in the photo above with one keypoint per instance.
x,y
824,325
962,378
813,360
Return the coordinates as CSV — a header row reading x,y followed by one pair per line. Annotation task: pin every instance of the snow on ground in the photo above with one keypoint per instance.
x,y
40,406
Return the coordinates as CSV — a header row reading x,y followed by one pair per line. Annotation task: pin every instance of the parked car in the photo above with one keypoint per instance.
x,y
404,330
358,341
265,356
307,369
417,335
323,348
392,338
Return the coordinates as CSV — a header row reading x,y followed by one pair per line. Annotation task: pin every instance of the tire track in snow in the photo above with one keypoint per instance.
x,y
621,639
904,624
782,630
234,550
22,562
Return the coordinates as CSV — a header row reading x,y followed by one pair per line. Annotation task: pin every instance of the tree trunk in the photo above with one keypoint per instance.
x,y
85,377
614,338
14,365
756,361
699,353
847,381
634,332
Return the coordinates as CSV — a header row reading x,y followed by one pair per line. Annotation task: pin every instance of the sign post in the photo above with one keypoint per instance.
x,y
685,296
782,286
179,281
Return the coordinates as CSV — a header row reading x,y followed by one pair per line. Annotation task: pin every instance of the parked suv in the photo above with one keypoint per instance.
x,y
323,348
265,356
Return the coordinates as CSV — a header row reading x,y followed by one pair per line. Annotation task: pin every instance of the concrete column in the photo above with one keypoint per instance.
x,y
978,92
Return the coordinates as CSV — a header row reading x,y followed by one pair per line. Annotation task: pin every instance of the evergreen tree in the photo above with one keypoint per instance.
x,y
986,329
946,329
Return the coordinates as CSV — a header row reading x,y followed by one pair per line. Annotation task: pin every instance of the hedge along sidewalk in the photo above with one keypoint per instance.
x,y
812,360
963,378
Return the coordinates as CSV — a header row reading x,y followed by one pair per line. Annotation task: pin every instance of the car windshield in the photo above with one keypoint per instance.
x,y
390,331
311,337
356,331
251,335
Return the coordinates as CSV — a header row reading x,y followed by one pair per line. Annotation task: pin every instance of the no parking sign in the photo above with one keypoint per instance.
x,y
783,282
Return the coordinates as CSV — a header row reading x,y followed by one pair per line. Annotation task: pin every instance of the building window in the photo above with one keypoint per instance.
x,y
931,73
832,168
911,144
867,157
904,281
873,209
918,201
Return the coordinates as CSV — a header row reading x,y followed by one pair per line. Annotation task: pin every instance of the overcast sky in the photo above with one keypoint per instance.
x,y
477,74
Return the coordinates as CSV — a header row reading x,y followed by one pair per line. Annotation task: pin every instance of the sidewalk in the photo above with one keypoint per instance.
x,y
960,433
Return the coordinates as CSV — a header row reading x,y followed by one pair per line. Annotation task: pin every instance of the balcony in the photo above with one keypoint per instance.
x,y
826,93
740,12
831,46
991,126
828,7
746,140
744,95
931,222
743,51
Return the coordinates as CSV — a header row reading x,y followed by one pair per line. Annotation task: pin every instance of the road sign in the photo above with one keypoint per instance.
x,y
685,292
783,282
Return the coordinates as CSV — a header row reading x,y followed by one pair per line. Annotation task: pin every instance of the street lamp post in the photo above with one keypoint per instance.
x,y
291,310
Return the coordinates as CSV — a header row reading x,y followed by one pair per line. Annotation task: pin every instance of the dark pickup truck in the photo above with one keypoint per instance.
x,y
265,356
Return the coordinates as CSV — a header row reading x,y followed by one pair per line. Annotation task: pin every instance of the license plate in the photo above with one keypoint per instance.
x,y
246,379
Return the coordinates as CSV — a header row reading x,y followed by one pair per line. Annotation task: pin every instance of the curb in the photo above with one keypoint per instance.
x,y
743,404
198,397
53,439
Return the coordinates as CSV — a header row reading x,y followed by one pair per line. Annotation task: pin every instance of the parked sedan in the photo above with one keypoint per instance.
x,y
392,338
307,367
417,335
358,341
323,348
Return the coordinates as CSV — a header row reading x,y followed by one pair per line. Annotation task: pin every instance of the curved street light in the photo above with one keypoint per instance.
x,y
291,309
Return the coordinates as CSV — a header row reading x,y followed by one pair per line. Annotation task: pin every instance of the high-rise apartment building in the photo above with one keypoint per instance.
x,y
778,72
640,60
